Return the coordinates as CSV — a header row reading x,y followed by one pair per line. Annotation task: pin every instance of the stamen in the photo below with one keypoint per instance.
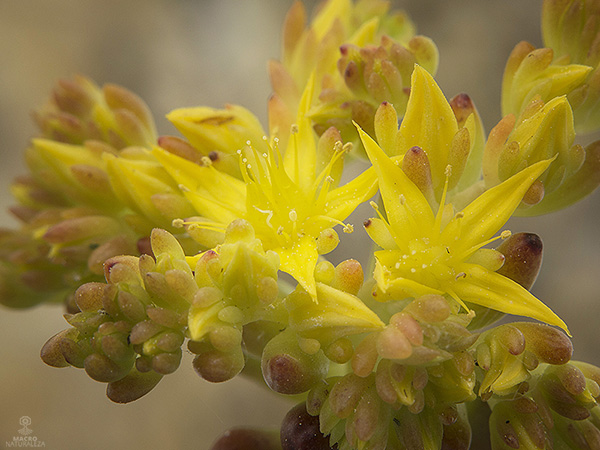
x,y
348,146
348,228
294,128
402,199
293,215
206,161
183,188
178,223
505,234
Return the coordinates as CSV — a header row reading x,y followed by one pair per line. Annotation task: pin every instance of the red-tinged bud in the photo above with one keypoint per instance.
x,y
522,258
247,439
132,387
300,431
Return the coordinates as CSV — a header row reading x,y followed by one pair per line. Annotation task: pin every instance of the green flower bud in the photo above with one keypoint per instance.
x,y
542,132
288,369
532,72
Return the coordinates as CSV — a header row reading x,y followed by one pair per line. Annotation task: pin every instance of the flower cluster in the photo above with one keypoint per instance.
x,y
216,240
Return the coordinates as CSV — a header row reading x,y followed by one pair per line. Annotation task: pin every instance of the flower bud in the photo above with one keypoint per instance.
x,y
216,366
522,258
287,369
531,72
132,387
247,439
300,431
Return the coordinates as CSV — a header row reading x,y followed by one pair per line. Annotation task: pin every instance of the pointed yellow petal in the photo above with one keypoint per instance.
x,y
492,290
342,201
300,261
398,287
301,154
429,122
213,194
408,211
482,218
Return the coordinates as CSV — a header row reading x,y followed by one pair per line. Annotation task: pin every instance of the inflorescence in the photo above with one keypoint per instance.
x,y
160,246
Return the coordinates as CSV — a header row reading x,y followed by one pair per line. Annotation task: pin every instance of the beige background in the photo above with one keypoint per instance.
x,y
186,53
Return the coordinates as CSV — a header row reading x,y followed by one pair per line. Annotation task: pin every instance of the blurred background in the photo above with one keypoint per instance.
x,y
177,53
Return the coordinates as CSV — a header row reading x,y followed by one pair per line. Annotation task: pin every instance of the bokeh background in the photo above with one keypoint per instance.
x,y
177,53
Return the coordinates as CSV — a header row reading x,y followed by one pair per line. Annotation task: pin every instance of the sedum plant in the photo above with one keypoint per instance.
x,y
213,243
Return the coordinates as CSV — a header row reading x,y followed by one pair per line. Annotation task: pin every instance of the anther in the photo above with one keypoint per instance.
x,y
293,215
178,223
294,128
206,161
402,199
184,188
348,228
505,234
348,147
448,171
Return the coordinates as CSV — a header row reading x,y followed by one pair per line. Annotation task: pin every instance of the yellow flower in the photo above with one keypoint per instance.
x,y
426,252
289,200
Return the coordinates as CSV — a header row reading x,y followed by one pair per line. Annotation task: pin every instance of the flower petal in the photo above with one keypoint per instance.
x,y
429,121
213,194
342,201
408,211
483,217
398,288
300,261
301,153
492,290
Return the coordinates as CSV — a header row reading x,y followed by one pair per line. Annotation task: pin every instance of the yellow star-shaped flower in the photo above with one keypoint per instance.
x,y
427,252
288,199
